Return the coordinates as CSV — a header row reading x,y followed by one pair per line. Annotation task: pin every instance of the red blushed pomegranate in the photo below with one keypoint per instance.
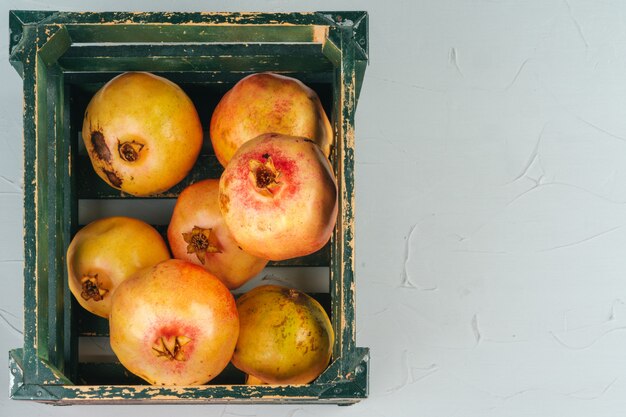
x,y
197,233
174,324
278,196
264,103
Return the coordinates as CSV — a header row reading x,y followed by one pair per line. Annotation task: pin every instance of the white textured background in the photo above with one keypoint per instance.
x,y
491,209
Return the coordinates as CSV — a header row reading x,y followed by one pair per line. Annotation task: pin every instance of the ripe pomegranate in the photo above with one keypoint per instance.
x,y
174,324
142,133
278,196
285,336
197,233
266,103
106,252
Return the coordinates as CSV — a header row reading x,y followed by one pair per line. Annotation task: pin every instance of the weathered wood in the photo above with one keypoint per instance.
x,y
344,287
91,81
198,63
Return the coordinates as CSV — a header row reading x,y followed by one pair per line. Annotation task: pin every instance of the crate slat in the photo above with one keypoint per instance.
x,y
177,63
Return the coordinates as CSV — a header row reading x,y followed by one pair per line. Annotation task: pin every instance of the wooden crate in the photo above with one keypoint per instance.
x,y
63,58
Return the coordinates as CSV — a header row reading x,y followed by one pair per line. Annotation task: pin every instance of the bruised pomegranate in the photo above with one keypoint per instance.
x,y
278,196
197,233
142,133
285,336
266,103
174,324
106,252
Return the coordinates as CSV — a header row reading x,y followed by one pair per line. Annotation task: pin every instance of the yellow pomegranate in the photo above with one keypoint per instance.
x,y
142,133
285,336
106,252
268,103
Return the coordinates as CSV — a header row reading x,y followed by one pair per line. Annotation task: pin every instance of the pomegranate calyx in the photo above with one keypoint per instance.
x,y
170,347
201,241
91,288
264,175
129,151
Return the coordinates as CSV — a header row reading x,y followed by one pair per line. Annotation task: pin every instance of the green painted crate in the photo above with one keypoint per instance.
x,y
63,59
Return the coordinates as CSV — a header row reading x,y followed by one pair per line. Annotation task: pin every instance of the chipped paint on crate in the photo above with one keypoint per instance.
x,y
36,200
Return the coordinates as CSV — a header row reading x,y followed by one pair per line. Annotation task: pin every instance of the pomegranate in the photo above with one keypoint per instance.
x,y
106,252
142,133
278,196
285,336
174,324
268,103
197,233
